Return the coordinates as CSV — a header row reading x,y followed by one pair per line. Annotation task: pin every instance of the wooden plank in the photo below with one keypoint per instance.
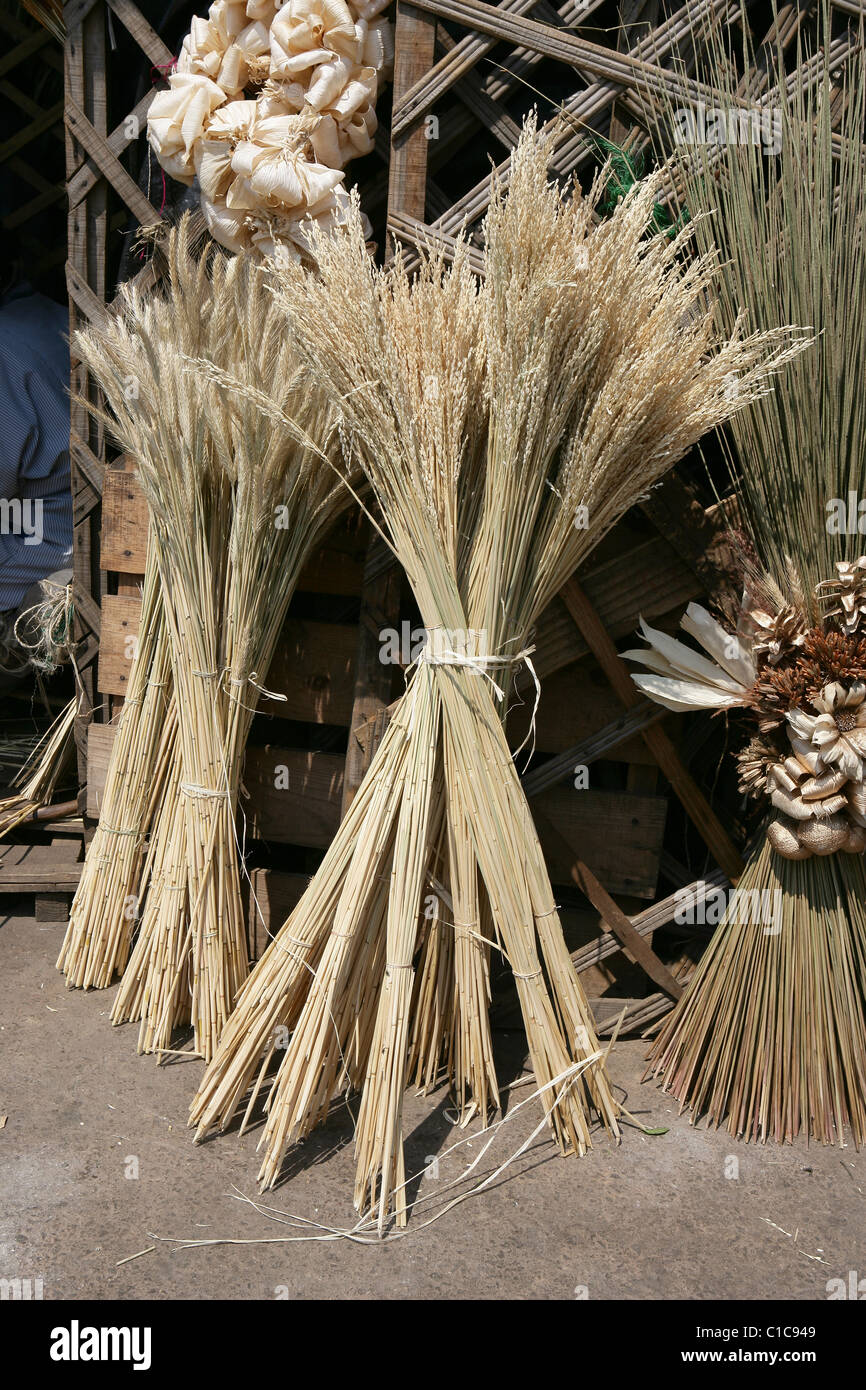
x,y
100,738
52,907
118,639
415,46
380,602
615,921
683,784
294,797
617,834
42,869
125,522
314,667
62,878
270,896
85,85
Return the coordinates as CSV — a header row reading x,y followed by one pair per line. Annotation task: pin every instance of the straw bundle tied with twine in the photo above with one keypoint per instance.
x,y
770,1036
237,498
487,417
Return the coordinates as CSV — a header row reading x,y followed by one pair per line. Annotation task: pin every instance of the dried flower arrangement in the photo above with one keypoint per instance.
x,y
806,690
267,105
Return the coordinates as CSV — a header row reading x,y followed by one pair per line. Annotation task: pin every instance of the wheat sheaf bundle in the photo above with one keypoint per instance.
x,y
487,415
237,499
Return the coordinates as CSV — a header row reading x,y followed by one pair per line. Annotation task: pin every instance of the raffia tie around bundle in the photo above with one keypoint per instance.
x,y
441,650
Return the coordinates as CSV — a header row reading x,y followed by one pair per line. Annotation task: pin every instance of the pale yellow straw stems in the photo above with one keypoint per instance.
x,y
485,415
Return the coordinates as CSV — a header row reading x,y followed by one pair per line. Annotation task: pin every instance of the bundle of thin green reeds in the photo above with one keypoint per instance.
x,y
770,1036
238,496
503,427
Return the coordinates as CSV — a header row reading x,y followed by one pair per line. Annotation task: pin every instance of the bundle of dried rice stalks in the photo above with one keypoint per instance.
x,y
39,777
770,1036
238,495
503,428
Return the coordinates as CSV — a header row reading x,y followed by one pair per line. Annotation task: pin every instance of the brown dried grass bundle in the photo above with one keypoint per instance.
x,y
487,417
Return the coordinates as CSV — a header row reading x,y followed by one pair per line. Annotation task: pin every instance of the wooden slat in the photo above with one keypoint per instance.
x,y
619,835
100,151
89,174
702,815
569,48
125,522
415,40
584,108
615,921
146,38
440,77
120,624
651,919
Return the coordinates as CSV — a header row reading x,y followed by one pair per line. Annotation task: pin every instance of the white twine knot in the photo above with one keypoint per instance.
x,y
436,653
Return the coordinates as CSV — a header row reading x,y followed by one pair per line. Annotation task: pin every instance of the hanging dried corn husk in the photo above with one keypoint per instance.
x,y
811,763
267,106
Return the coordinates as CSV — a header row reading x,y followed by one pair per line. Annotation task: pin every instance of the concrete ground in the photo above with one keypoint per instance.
x,y
686,1214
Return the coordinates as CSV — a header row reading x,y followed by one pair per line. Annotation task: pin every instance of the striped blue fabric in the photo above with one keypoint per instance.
x,y
35,493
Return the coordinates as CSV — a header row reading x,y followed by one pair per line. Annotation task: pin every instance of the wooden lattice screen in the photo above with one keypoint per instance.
x,y
31,160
